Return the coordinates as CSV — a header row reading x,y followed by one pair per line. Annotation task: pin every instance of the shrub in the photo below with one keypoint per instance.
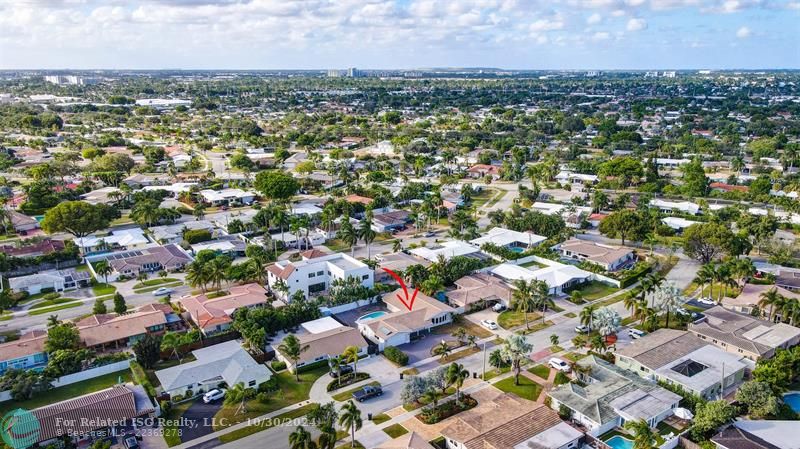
x,y
561,378
262,397
277,365
395,355
51,296
166,406
193,236
447,409
270,385
347,379
177,398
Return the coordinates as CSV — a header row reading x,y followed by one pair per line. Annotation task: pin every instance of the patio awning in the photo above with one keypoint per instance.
x,y
682,413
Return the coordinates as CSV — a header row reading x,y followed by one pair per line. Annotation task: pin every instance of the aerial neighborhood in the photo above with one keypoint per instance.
x,y
399,260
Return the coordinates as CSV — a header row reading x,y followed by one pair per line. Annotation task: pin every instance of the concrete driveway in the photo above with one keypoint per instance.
x,y
199,419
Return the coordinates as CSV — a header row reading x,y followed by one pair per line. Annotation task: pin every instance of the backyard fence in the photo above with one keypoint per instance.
x,y
80,376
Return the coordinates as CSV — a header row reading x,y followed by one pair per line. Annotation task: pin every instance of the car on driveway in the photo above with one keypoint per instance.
x,y
582,329
559,364
499,307
706,301
214,395
162,291
343,369
131,442
489,324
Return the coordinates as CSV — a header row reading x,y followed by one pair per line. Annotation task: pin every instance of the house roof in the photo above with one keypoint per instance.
x,y
169,256
761,434
330,342
502,423
358,199
475,287
404,320
18,219
411,440
483,168
502,237
106,328
662,347
743,331
227,361
28,344
207,313
43,247
594,252
751,295
92,411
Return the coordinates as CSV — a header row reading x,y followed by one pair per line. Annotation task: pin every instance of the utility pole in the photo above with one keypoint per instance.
x,y
484,361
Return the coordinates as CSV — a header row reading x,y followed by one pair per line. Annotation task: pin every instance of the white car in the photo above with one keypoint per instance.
x,y
214,395
489,324
706,301
636,333
559,364
582,329
163,291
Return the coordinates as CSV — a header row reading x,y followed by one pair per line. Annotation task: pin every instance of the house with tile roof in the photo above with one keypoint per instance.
x,y
610,396
145,260
315,275
213,315
22,223
112,331
750,296
681,358
610,258
477,288
224,363
411,440
510,422
51,280
120,239
323,343
25,353
743,334
399,325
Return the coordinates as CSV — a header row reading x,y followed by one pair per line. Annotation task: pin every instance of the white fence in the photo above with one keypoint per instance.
x,y
80,376
345,307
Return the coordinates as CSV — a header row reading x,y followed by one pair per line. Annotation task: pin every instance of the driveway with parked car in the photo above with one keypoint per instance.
x,y
198,419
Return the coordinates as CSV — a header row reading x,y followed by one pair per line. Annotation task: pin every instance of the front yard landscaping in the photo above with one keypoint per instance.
x,y
345,380
511,319
347,395
470,327
447,409
380,419
574,356
595,290
172,434
101,289
395,430
282,419
541,371
459,355
527,389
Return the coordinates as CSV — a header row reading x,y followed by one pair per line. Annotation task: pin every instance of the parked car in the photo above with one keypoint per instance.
x,y
582,329
636,333
344,369
682,311
499,307
706,301
429,234
489,324
559,364
214,395
131,442
367,392
162,291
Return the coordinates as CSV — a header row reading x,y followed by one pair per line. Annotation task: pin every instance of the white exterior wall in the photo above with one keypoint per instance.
x,y
326,272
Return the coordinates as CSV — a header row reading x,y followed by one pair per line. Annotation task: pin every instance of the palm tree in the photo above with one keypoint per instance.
x,y
456,375
706,275
103,269
237,393
335,365
397,246
216,270
301,439
587,315
554,340
350,355
348,234
576,297
643,435
291,348
522,300
724,278
350,420
515,349
197,275
770,298
432,395
540,293
366,232
633,304
442,349
52,321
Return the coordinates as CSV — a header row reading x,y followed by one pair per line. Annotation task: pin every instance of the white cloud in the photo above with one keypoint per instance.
x,y
743,33
594,19
636,25
547,25
601,36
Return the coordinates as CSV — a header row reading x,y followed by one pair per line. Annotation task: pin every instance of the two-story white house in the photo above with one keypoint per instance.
x,y
314,276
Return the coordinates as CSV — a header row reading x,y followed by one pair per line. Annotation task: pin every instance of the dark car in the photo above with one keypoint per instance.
x,y
367,392
131,442
344,369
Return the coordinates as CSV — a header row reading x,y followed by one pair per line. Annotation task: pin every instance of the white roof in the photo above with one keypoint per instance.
x,y
684,206
677,222
449,249
122,237
321,325
580,176
555,437
173,231
226,194
782,434
713,358
554,276
305,209
177,187
668,161
503,237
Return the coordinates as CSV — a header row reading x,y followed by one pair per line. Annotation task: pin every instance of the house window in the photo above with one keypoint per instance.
x,y
320,273
365,277
311,275
252,383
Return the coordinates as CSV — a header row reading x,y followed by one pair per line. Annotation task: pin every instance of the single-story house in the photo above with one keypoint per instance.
x,y
224,363
396,262
25,353
479,171
174,233
145,260
112,331
324,338
610,258
411,440
681,358
678,223
117,240
478,287
750,296
448,250
611,396
229,245
508,238
103,195
40,248
789,280
389,221
213,315
669,207
510,422
22,223
758,434
558,277
52,280
400,325
227,196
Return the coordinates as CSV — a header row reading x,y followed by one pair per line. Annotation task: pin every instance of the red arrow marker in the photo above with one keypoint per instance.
x,y
406,301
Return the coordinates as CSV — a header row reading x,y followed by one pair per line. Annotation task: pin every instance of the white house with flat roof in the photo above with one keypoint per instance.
x,y
120,239
678,223
448,250
558,277
669,207
313,276
227,196
508,238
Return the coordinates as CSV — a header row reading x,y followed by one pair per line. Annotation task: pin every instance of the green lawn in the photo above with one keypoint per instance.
x,y
459,355
526,389
380,419
156,287
395,430
43,311
497,198
595,290
337,246
574,356
511,319
346,395
540,371
289,392
470,327
50,303
156,281
492,373
278,420
172,435
68,391
729,291
422,402
556,348
103,289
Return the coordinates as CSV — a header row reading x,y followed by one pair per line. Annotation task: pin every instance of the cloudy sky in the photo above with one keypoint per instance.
x,y
312,34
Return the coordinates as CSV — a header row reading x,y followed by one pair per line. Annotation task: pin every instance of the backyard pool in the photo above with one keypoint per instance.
x,y
618,442
517,249
793,399
370,316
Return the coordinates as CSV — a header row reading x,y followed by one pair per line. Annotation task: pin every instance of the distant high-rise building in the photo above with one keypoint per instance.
x,y
70,80
333,73
651,74
593,73
670,74
353,72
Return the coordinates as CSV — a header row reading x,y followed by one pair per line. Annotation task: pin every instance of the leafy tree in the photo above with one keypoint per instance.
x,y
695,182
119,304
66,361
759,399
76,217
706,241
62,336
276,185
24,384
710,416
99,307
625,225
148,350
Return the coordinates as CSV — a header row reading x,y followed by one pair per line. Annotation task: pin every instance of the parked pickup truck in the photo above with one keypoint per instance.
x,y
367,392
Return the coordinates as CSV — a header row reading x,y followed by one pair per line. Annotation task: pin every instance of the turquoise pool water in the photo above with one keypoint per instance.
x,y
516,249
793,400
618,442
371,316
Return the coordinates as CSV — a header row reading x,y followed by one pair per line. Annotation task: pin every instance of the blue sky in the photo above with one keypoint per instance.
x,y
313,34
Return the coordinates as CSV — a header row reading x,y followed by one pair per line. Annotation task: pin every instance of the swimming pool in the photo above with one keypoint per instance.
x,y
793,400
618,442
370,316
516,249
